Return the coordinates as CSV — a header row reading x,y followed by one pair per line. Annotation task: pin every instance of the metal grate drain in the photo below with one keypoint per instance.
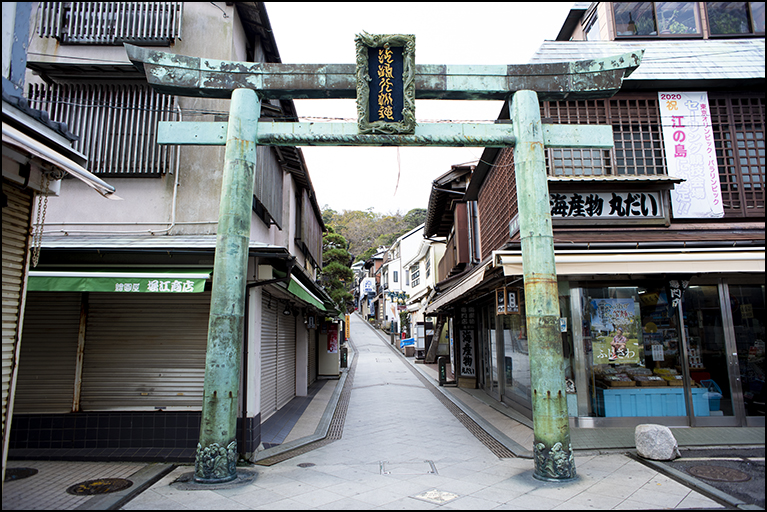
x,y
719,473
19,473
99,486
489,441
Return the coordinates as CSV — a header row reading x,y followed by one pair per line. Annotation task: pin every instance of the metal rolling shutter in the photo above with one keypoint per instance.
x,y
286,359
48,353
145,351
15,241
312,364
268,357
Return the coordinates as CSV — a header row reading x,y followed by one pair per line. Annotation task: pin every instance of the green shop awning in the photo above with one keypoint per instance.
x,y
300,291
149,281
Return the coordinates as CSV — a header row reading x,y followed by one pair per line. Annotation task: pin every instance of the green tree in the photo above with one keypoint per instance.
x,y
337,276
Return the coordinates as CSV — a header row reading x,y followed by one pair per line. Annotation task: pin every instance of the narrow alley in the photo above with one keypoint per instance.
x,y
393,454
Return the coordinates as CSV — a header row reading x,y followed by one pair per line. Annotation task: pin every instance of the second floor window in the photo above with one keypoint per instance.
x,y
415,275
735,18
395,277
116,124
656,18
112,23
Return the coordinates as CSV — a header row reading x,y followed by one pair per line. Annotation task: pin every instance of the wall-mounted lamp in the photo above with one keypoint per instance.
x,y
287,311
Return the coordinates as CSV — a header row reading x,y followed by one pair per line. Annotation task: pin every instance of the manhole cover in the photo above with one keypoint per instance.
x,y
19,473
100,486
306,465
719,473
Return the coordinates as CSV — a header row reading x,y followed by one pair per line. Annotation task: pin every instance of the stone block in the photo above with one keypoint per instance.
x,y
656,442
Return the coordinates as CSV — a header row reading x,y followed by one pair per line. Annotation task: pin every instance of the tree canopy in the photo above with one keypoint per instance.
x,y
366,230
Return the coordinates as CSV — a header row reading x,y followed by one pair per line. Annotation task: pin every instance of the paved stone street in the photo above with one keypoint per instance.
x,y
401,448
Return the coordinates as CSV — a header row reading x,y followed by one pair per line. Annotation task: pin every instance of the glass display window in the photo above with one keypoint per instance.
x,y
633,352
748,317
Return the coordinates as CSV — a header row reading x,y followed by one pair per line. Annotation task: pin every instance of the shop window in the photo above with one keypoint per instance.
x,y
707,354
632,349
516,358
643,19
735,18
747,309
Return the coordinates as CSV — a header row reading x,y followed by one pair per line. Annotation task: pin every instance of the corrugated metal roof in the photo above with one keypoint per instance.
x,y
142,242
708,59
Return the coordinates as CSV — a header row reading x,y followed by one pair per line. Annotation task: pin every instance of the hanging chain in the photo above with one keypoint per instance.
x,y
42,203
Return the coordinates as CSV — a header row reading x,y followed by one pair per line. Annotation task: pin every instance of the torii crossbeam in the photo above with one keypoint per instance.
x,y
247,83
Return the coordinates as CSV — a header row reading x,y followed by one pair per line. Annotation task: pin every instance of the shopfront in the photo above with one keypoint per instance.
x,y
669,347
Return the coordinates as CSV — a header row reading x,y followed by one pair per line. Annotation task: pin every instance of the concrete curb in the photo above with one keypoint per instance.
x,y
515,448
142,480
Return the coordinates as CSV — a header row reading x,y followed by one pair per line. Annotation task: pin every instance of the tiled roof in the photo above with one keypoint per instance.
x,y
708,59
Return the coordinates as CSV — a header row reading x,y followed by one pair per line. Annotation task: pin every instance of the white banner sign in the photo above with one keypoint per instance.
x,y
690,154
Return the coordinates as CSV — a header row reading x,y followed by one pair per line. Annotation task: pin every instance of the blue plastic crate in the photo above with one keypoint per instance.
x,y
713,393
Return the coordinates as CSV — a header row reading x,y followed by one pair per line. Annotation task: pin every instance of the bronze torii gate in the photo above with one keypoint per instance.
x,y
248,83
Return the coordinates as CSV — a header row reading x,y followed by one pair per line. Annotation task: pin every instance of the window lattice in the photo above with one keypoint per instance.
x,y
116,124
637,133
150,23
738,125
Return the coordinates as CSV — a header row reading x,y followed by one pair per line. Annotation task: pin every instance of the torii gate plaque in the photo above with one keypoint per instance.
x,y
247,83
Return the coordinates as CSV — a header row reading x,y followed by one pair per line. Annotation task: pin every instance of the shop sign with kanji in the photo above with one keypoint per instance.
x,y
580,205
385,83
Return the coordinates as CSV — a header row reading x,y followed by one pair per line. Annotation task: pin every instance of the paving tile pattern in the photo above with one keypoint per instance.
x,y
47,490
394,421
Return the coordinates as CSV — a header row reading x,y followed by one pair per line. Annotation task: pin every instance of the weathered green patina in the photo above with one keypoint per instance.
x,y
209,78
345,134
529,84
216,459
553,451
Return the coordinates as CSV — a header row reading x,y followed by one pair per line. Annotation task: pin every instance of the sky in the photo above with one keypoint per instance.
x,y
391,180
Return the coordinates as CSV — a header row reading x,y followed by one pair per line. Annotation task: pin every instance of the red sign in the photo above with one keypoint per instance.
x,y
332,339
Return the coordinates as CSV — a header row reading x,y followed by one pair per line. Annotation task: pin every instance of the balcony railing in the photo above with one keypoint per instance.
x,y
113,23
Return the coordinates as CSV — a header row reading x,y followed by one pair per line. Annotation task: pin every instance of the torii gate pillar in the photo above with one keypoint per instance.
x,y
216,457
553,451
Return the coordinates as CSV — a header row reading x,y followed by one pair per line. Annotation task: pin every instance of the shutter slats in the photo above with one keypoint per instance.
x,y
145,351
268,357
